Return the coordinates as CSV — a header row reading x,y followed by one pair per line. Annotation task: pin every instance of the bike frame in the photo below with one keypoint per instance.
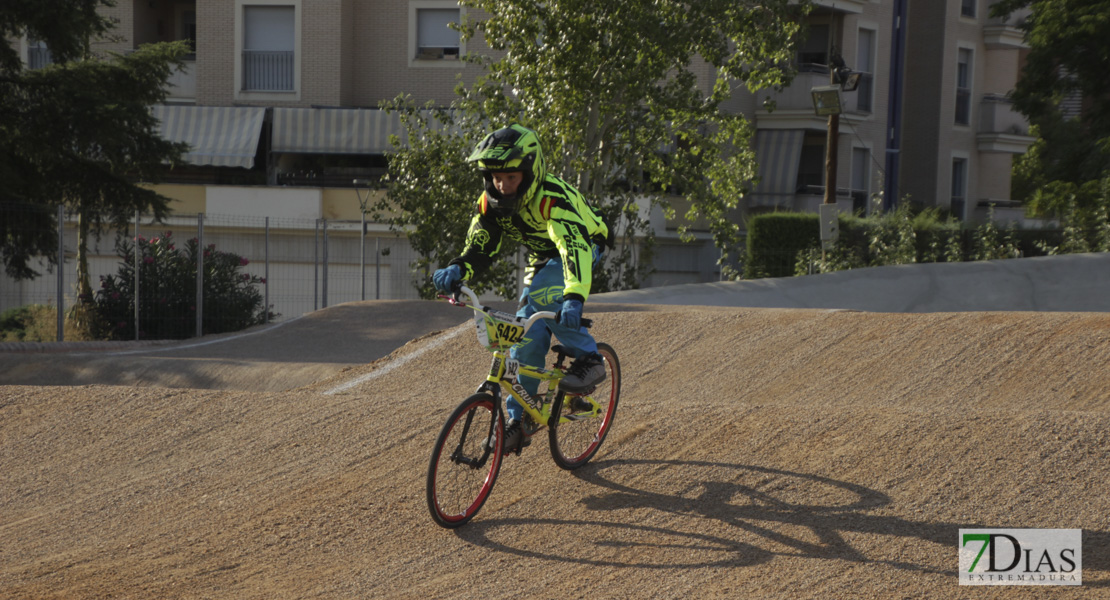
x,y
499,332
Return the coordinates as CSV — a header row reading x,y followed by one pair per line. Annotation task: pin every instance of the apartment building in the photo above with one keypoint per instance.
x,y
279,102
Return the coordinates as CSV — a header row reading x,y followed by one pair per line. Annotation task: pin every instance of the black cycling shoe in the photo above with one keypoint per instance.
x,y
516,438
584,374
579,404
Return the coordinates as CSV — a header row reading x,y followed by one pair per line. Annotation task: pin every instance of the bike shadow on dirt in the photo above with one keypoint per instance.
x,y
798,514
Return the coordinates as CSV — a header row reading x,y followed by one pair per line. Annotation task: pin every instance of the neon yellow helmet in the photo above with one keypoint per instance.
x,y
513,148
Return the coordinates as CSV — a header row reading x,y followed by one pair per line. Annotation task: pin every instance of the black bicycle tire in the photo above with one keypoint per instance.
x,y
614,381
451,521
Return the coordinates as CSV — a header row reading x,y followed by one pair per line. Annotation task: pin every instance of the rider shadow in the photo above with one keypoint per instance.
x,y
773,504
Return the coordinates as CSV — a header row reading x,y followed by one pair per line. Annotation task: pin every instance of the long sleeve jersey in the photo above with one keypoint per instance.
x,y
555,223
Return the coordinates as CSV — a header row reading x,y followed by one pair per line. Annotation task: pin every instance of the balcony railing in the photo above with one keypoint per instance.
x,y
797,96
183,81
267,70
997,115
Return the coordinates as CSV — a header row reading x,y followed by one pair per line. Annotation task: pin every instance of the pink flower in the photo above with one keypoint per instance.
x,y
263,280
148,259
244,262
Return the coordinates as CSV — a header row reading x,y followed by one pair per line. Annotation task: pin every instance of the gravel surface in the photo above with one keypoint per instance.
x,y
758,453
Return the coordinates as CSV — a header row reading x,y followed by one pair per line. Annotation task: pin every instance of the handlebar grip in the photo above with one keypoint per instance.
x,y
584,322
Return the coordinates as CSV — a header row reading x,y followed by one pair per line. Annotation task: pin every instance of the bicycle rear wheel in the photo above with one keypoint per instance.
x,y
579,424
464,466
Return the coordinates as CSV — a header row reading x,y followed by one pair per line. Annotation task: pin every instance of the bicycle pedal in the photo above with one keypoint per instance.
x,y
580,404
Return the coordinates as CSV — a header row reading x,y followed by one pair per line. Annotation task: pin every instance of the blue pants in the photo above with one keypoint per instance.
x,y
545,293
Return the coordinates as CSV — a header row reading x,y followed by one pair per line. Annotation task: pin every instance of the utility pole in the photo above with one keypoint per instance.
x,y
827,101
831,148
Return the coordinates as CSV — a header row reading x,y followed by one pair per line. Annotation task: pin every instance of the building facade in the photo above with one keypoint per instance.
x,y
284,94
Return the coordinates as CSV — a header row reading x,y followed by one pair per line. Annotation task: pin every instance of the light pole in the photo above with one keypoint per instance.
x,y
827,102
360,184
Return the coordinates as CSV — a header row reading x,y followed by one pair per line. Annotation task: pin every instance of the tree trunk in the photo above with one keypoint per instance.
x,y
84,287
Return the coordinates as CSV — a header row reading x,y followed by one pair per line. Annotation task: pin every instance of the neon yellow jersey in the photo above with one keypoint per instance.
x,y
555,223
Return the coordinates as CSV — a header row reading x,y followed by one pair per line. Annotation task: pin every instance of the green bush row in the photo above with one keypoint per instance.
x,y
788,244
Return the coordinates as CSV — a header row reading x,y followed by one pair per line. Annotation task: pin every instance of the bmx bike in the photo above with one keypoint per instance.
x,y
467,455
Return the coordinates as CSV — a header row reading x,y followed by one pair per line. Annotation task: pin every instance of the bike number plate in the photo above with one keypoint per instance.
x,y
498,333
512,369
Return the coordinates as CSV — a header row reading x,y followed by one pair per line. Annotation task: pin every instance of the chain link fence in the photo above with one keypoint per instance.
x,y
301,265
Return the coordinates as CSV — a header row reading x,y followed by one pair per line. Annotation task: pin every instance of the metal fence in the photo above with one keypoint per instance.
x,y
307,264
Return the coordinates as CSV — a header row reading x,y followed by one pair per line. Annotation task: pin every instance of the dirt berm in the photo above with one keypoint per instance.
x,y
757,453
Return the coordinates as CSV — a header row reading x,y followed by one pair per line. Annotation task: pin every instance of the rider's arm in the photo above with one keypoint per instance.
x,y
483,244
571,235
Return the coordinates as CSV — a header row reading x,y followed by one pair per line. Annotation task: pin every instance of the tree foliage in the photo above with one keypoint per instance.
x,y
78,132
1068,57
631,101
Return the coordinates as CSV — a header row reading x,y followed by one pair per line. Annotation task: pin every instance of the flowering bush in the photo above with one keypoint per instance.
x,y
167,292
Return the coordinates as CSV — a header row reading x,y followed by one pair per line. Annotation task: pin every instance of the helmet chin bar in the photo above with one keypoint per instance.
x,y
500,202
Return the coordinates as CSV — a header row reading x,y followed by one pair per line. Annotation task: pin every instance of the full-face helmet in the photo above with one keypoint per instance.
x,y
513,148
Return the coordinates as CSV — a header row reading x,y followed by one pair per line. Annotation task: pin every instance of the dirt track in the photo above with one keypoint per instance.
x,y
756,453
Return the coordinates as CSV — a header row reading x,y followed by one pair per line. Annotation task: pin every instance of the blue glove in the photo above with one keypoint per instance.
x,y
571,315
447,278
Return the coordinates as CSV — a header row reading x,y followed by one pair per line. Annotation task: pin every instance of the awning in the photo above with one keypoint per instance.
x,y
778,151
219,136
335,130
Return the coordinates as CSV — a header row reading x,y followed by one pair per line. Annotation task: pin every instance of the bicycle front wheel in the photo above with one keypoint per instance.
x,y
579,423
465,461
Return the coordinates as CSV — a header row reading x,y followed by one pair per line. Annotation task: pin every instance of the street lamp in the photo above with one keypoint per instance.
x,y
827,102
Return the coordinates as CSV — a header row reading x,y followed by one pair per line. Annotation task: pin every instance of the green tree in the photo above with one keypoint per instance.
x,y
630,100
78,132
1068,57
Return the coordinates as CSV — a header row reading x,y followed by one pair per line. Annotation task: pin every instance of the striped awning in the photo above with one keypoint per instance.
x,y
779,152
219,136
335,130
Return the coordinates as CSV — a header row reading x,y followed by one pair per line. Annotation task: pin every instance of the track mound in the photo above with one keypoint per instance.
x,y
756,453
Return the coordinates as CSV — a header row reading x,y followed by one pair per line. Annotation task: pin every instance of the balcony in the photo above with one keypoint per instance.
x,y
1001,128
1006,33
267,70
853,7
795,102
182,84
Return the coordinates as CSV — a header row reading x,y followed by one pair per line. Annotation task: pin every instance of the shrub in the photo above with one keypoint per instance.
x,y
167,292
774,241
37,323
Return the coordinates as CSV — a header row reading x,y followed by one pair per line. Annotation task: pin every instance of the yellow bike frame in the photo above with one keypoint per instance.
x,y
499,332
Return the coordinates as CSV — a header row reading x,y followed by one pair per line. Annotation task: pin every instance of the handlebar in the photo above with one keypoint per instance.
x,y
474,304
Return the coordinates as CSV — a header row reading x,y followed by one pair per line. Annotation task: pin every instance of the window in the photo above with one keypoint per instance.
x,y
967,8
865,64
435,40
813,55
189,29
811,165
861,178
959,187
269,40
38,55
963,87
